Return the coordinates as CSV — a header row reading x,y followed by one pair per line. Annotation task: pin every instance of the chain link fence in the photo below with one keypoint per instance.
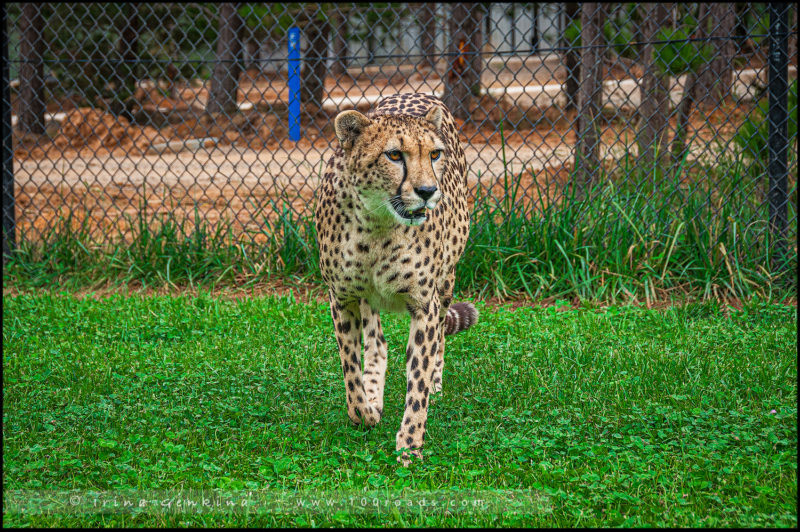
x,y
128,112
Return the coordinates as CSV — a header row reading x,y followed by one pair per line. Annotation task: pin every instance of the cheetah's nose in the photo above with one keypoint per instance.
x,y
425,192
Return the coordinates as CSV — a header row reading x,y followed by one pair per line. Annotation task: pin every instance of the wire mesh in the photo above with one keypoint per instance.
x,y
125,112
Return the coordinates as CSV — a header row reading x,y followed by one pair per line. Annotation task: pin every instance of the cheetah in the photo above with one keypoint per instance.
x,y
392,221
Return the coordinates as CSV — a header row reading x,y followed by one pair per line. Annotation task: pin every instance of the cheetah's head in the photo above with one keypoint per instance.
x,y
394,162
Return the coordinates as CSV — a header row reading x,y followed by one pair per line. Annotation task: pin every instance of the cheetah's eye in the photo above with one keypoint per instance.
x,y
394,155
435,154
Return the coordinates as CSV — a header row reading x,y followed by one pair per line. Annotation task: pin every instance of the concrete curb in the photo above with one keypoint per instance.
x,y
623,95
177,146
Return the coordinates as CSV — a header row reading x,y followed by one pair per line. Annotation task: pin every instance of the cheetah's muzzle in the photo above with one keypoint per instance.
x,y
415,217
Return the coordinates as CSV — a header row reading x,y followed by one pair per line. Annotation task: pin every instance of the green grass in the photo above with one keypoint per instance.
x,y
619,416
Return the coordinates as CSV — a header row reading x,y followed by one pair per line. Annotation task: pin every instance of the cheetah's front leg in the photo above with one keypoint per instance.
x,y
347,324
374,355
423,344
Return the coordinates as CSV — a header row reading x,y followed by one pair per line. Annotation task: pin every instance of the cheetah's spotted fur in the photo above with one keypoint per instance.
x,y
392,221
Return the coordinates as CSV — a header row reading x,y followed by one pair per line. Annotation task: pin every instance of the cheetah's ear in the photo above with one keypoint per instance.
x,y
434,116
348,126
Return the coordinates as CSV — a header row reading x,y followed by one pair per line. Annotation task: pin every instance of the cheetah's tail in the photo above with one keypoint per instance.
x,y
460,316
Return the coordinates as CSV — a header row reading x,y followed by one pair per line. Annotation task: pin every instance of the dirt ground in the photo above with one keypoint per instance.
x,y
104,168
306,292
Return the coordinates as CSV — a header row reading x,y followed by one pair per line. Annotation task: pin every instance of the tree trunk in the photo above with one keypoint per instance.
x,y
694,86
654,108
225,80
589,94
487,28
462,82
339,30
313,88
371,46
129,47
128,50
571,60
426,19
706,77
31,71
8,205
512,14
793,35
252,49
476,23
535,37
723,19
684,110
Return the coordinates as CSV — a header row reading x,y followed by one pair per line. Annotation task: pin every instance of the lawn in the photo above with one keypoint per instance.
x,y
604,416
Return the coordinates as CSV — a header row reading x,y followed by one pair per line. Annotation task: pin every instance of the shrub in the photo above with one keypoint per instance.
x,y
674,58
753,136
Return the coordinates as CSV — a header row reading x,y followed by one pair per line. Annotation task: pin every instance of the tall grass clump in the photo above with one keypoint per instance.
x,y
636,235
620,246
164,250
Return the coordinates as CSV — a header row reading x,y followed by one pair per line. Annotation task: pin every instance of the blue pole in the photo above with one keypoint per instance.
x,y
294,84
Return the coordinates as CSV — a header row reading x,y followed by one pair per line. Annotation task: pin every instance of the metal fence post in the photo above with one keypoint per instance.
x,y
9,226
777,168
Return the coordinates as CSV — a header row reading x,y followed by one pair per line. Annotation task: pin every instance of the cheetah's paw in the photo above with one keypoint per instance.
x,y
369,415
409,455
